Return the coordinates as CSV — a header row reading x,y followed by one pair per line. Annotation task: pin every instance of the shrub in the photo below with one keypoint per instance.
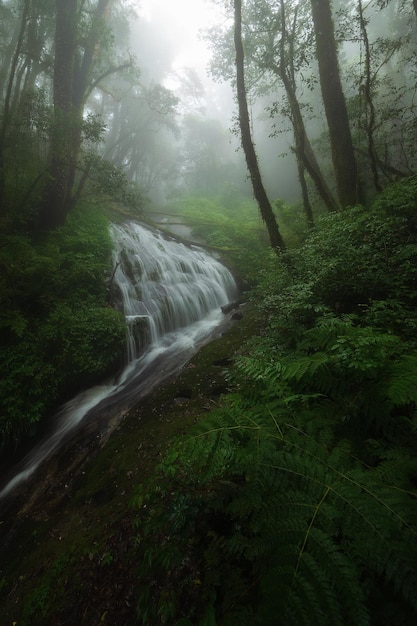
x,y
59,332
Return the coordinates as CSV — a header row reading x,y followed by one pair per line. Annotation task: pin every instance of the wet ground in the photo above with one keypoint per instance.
x,y
67,538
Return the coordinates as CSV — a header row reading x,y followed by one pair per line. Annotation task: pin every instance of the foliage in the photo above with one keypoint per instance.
x,y
111,181
40,599
258,517
399,200
358,262
49,123
295,501
230,223
58,330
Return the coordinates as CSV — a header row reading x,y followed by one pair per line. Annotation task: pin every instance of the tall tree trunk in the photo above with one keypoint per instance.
x,y
8,97
303,146
71,81
82,75
304,191
415,6
343,157
369,104
260,194
304,151
53,208
83,69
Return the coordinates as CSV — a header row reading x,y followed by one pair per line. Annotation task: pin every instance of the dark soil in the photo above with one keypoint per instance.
x,y
67,552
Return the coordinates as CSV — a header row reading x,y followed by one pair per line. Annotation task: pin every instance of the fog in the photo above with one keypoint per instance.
x,y
169,41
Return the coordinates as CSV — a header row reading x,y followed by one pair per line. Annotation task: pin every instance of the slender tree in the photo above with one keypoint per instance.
x,y
369,103
259,191
343,157
278,46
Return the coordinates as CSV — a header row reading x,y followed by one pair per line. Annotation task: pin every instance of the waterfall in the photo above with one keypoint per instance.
x,y
165,286
171,296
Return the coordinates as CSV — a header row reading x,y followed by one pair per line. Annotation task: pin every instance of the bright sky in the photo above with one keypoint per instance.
x,y
186,18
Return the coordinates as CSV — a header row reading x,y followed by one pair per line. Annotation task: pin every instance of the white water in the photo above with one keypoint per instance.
x,y
171,291
166,285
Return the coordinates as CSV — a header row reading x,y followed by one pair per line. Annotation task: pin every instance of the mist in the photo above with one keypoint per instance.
x,y
168,54
208,260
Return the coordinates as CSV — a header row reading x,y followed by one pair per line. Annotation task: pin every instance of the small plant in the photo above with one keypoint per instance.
x,y
107,559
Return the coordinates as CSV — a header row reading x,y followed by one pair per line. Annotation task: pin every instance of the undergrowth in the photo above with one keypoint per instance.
x,y
295,502
231,224
59,332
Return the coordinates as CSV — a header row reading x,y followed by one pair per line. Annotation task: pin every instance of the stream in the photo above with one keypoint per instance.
x,y
171,296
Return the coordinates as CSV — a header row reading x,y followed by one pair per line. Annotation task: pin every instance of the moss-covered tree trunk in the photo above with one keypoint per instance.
x,y
259,191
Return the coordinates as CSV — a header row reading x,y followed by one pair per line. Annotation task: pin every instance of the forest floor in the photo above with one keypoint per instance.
x,y
68,559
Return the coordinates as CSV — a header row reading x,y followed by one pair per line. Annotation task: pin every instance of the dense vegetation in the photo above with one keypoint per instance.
x,y
296,497
295,502
59,332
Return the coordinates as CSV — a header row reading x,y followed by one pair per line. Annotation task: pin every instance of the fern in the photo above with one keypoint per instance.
x,y
401,381
355,374
282,509
295,503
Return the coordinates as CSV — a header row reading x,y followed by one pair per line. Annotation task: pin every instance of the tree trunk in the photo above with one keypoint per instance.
x,y
82,72
369,104
260,194
415,6
303,149
304,191
53,208
8,96
343,157
303,146
71,81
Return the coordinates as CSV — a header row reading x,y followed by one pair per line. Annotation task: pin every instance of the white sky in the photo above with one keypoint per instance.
x,y
186,18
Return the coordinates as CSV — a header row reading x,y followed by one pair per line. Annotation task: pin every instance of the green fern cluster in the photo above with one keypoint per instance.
x,y
269,523
349,373
278,505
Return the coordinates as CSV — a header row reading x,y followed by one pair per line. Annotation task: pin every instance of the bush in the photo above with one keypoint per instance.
x,y
59,333
264,516
358,262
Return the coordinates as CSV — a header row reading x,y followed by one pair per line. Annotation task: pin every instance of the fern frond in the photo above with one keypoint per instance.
x,y
401,381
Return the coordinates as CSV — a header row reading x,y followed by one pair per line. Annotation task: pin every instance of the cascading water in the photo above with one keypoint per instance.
x,y
166,286
171,296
